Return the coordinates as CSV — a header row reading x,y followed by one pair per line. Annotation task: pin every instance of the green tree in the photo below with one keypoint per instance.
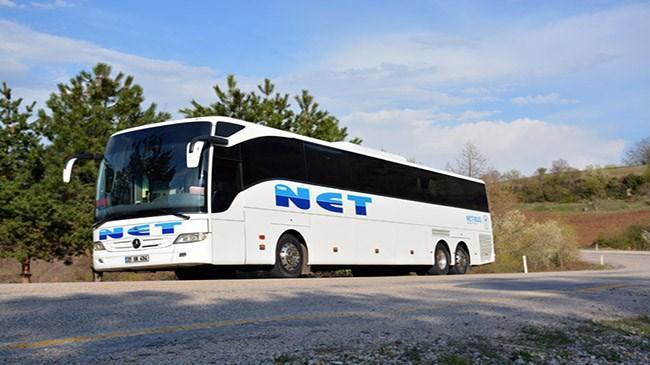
x,y
270,108
23,203
82,114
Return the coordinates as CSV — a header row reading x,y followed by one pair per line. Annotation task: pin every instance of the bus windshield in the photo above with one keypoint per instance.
x,y
143,173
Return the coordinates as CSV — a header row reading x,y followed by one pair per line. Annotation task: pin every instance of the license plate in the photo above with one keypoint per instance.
x,y
134,259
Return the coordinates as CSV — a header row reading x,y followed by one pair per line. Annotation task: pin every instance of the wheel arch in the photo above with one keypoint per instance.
x,y
444,244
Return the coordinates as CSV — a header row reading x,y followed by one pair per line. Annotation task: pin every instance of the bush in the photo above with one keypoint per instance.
x,y
634,237
571,186
548,245
633,182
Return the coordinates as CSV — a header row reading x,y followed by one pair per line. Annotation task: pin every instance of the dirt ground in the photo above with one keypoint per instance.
x,y
588,225
79,270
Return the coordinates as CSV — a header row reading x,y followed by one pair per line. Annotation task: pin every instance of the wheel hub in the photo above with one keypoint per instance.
x,y
289,257
461,260
441,260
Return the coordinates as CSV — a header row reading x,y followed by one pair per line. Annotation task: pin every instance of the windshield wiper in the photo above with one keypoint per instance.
x,y
115,216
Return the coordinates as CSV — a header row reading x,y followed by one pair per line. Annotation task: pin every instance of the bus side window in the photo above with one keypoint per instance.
x,y
270,158
226,183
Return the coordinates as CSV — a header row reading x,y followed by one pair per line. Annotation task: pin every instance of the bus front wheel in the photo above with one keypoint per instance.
x,y
289,257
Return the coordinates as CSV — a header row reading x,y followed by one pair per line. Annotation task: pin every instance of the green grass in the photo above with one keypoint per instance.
x,y
613,171
546,337
620,171
453,359
607,205
413,354
635,326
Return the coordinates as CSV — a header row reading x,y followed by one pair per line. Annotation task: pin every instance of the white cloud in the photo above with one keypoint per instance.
x,y
52,5
410,70
25,52
615,36
524,144
552,98
474,115
7,3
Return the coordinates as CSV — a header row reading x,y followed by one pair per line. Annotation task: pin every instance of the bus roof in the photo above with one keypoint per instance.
x,y
253,130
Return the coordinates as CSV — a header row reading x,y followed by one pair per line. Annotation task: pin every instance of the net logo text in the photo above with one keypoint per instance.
x,y
330,201
137,231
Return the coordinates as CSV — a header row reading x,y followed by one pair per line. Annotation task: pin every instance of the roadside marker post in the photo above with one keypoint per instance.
x,y
525,265
602,260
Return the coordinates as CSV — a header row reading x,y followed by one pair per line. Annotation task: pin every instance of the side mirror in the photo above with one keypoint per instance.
x,y
196,145
194,154
67,170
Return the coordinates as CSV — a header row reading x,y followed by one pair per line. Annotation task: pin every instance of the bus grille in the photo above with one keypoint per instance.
x,y
128,245
485,241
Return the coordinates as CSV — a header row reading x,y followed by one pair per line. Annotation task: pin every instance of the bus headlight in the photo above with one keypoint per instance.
x,y
98,246
190,237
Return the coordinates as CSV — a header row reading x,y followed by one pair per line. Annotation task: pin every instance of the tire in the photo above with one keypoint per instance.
x,y
441,263
289,257
461,265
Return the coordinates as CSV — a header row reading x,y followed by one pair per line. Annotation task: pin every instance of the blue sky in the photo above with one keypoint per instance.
x,y
528,82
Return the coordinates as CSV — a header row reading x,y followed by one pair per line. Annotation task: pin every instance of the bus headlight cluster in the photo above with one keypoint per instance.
x,y
98,246
190,237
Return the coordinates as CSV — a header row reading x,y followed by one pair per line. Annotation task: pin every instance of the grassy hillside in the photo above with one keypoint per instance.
x,y
591,224
621,171
611,171
596,203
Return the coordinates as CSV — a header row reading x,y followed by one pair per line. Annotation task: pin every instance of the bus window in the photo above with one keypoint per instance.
x,y
273,158
226,183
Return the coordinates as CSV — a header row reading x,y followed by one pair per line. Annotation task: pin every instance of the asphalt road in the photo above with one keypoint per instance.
x,y
253,321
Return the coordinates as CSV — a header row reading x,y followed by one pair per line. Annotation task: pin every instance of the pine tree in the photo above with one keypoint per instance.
x,y
23,203
82,115
272,109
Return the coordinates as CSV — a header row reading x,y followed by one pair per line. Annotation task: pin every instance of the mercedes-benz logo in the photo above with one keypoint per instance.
x,y
136,243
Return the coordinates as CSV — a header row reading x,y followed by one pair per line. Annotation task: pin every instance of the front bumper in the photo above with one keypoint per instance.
x,y
170,257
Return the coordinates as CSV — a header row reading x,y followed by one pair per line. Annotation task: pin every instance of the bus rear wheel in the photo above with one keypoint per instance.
x,y
289,257
461,265
442,258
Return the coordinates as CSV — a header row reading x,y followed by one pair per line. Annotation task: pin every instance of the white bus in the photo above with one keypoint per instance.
x,y
211,195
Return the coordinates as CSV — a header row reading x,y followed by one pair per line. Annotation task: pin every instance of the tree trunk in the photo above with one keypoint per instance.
x,y
98,276
26,273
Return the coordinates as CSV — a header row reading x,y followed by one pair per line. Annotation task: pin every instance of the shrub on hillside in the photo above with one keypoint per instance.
x,y
633,182
634,237
570,187
501,198
548,245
